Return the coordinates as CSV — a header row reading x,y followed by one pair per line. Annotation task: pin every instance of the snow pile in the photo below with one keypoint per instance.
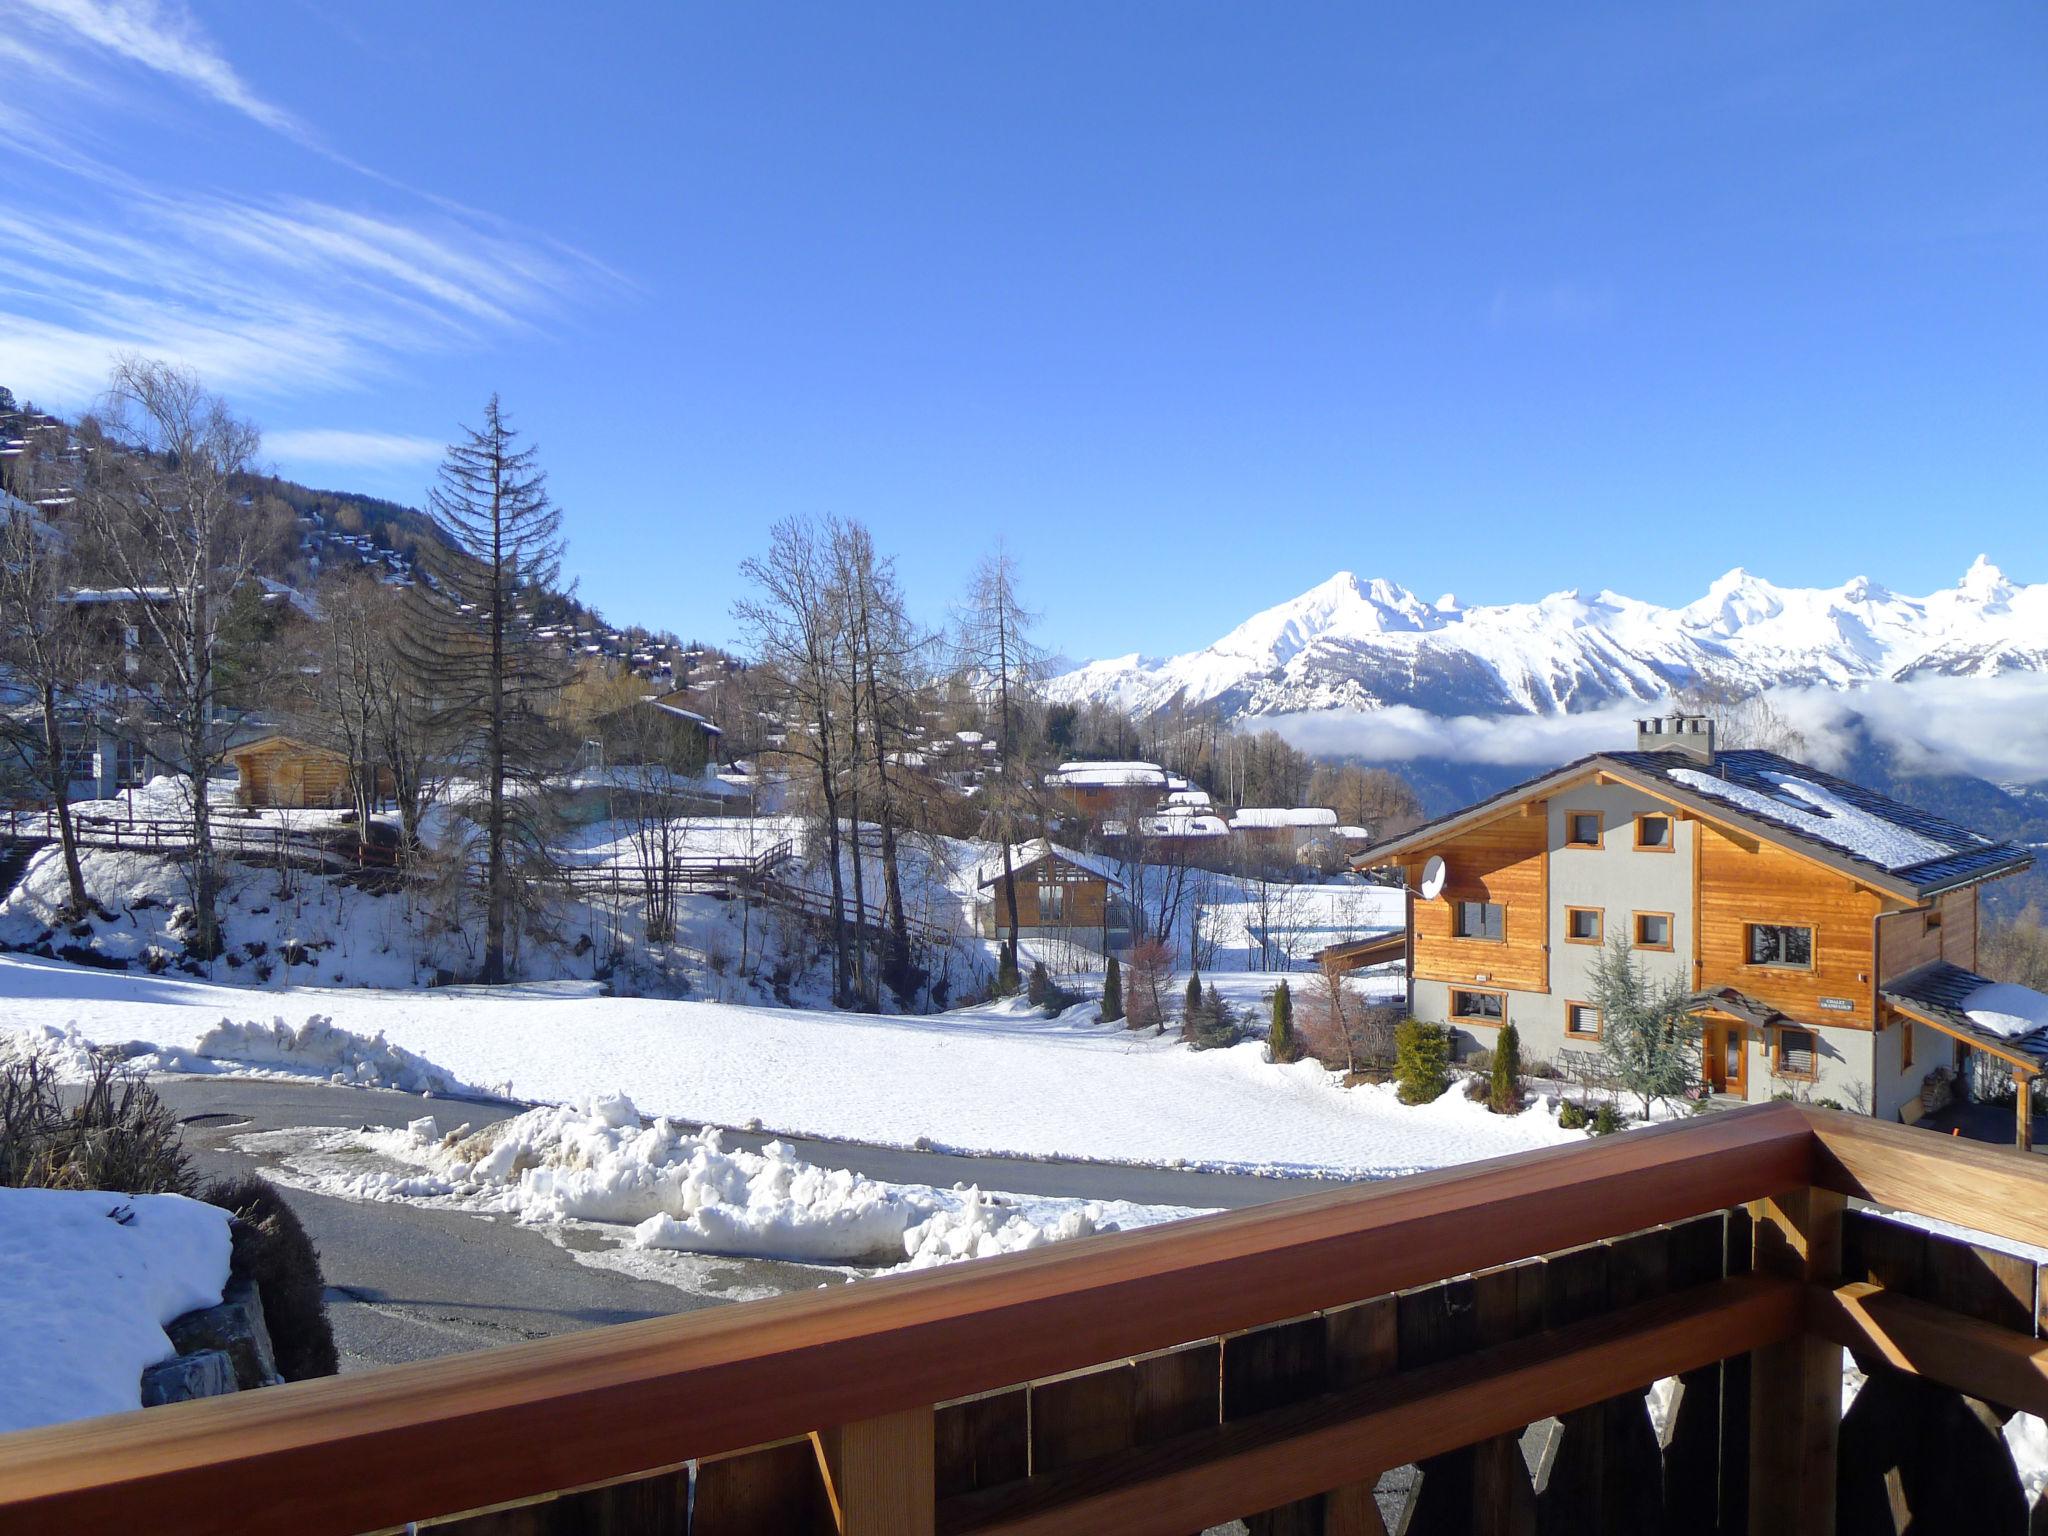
x,y
1806,807
87,1281
683,1190
316,1048
2007,1009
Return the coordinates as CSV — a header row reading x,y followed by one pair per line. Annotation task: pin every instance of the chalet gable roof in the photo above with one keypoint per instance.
x,y
1028,855
1893,847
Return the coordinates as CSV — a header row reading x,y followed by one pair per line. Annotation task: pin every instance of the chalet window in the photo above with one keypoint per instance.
x,y
1781,945
1905,1045
1582,1021
1933,920
1052,902
1582,829
1654,833
1479,1007
1653,930
1797,1050
1481,920
80,761
1583,925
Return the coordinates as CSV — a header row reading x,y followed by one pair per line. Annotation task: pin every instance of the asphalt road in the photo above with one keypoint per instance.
x,y
407,1283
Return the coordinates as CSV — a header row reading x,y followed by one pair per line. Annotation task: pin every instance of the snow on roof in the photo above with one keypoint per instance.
x,y
1108,775
1359,834
118,594
1283,816
1025,854
1189,797
1182,826
2006,1009
1808,807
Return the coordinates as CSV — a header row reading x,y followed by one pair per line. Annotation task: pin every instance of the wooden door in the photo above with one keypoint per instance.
x,y
1726,1059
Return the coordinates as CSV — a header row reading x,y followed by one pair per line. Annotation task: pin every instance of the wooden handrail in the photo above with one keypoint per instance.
x,y
352,1453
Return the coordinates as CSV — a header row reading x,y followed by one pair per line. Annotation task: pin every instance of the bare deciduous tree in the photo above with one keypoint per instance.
x,y
44,649
160,496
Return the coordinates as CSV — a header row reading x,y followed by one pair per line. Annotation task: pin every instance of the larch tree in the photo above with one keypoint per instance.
x,y
469,643
998,655
162,500
794,622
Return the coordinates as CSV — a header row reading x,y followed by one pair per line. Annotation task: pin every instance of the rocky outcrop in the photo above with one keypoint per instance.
x,y
221,1349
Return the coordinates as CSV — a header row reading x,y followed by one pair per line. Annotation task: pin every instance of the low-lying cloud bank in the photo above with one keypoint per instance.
x,y
1993,727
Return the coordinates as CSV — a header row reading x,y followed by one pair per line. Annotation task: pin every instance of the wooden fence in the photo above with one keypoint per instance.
x,y
1268,1363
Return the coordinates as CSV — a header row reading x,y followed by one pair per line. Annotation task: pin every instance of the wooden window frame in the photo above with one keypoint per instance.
x,y
1474,1018
1635,932
1599,925
1599,1021
1812,949
1457,906
1778,1054
1670,843
1599,829
1905,1045
1057,889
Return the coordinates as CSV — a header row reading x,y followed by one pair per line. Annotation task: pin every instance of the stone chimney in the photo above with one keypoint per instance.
x,y
1690,734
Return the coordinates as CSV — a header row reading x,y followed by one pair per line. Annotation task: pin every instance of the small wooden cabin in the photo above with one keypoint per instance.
x,y
1057,889
284,772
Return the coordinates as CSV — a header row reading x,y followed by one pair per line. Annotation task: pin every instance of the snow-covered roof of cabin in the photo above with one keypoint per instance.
x,y
117,595
665,703
2002,1016
1356,834
1132,775
1024,855
1189,797
1819,812
1182,826
1283,816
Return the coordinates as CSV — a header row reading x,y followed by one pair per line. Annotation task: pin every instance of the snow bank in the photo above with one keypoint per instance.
x,y
316,1048
2007,1009
87,1281
682,1190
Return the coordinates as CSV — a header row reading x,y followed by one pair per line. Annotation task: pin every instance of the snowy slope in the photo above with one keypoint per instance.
x,y
1356,644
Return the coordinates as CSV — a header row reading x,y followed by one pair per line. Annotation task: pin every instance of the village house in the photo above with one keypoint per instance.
x,y
1827,933
1061,895
1092,791
1281,832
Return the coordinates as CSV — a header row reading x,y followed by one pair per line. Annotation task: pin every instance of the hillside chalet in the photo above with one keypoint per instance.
x,y
1827,933
1059,892
1096,790
285,772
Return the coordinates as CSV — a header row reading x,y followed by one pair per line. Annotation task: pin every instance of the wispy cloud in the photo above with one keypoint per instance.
x,y
336,447
263,294
165,39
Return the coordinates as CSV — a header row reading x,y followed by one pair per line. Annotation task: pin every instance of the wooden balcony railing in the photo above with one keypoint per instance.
x,y
1267,1364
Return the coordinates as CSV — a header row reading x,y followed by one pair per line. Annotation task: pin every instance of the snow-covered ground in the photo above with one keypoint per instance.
x,y
679,1190
1000,1079
87,1281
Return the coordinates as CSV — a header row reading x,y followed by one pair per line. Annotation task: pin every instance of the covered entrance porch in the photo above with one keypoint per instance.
x,y
2006,1022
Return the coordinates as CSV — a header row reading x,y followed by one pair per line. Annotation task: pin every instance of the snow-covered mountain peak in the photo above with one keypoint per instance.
x,y
1357,643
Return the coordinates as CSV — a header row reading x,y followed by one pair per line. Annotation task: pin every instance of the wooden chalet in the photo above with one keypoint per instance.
x,y
1093,790
285,772
1828,933
1058,891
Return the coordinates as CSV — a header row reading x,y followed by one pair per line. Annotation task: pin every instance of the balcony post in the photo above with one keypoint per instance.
x,y
879,1474
1795,1388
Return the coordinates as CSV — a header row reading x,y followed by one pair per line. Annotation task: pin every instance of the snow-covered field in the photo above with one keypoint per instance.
x,y
999,1079
87,1281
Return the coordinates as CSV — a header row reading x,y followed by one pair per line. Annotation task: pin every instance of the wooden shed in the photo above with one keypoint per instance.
x,y
284,772
1056,889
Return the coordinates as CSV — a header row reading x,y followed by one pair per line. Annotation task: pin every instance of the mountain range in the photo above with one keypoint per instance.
x,y
1357,644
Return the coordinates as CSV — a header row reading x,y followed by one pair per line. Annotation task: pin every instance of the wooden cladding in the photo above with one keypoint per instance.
x,y
1503,862
1944,930
1744,883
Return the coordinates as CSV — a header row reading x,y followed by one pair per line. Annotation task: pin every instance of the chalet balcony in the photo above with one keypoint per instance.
x,y
1496,1326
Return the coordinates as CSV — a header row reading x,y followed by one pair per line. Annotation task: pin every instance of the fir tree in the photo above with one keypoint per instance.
x,y
1649,1039
1112,992
1281,1045
1505,1095
1422,1061
1193,1005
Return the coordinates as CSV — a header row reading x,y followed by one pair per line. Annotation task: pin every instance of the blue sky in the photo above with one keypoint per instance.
x,y
1193,304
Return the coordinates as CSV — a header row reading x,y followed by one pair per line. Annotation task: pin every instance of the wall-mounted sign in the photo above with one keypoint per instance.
x,y
1838,1004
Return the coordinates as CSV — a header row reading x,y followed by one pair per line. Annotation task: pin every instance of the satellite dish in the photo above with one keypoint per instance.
x,y
1433,876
